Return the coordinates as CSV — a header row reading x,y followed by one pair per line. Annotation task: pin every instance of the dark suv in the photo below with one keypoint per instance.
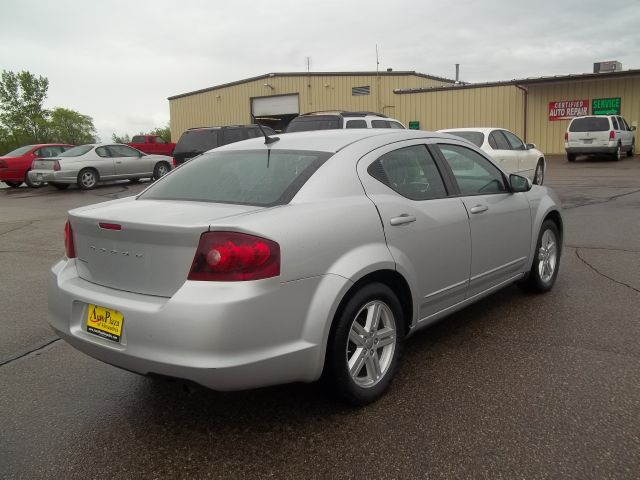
x,y
337,120
195,141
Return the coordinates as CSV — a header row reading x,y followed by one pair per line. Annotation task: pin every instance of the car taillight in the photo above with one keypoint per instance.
x,y
68,241
612,135
175,164
3,164
234,257
56,166
566,136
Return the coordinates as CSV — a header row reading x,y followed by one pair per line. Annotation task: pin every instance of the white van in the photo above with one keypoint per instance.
x,y
597,134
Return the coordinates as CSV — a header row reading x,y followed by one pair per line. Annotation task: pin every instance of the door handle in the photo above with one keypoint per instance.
x,y
479,209
402,219
118,161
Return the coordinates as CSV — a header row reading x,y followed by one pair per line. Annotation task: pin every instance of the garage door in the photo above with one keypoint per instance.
x,y
275,105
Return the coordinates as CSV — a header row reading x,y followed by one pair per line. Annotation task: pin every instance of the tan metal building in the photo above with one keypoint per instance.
x,y
282,96
537,109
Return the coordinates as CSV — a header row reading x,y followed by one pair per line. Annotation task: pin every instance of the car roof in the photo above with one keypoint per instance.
x,y
470,129
332,140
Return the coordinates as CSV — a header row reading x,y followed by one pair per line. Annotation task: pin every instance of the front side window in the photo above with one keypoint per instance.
x,y
160,140
123,151
474,174
380,124
411,172
265,177
515,142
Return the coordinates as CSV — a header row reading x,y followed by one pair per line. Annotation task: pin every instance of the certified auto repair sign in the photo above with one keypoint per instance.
x,y
566,109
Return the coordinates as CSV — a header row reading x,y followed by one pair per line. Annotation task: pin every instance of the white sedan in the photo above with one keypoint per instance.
x,y
507,149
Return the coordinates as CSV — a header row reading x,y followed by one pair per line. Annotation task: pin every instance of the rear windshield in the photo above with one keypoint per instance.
x,y
18,151
589,124
76,151
197,141
249,177
138,139
477,138
314,122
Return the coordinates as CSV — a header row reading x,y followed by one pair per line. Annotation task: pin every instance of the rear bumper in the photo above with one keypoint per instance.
x,y
223,336
587,149
53,176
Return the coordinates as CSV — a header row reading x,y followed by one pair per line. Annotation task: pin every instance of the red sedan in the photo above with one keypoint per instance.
x,y
15,165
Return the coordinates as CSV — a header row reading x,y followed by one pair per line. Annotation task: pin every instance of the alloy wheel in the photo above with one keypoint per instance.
x,y
547,256
88,179
371,343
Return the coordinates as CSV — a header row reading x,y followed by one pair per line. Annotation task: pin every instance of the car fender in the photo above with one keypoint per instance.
x,y
542,201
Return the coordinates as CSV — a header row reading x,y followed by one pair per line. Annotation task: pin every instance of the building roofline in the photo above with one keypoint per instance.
x,y
313,74
523,81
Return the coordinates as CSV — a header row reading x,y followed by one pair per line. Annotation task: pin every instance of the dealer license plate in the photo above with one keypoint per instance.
x,y
587,140
39,177
104,322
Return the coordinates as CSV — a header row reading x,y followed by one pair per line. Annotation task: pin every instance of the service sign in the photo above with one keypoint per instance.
x,y
567,109
606,106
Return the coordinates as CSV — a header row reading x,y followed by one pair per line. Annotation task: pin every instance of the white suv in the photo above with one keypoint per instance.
x,y
596,134
337,120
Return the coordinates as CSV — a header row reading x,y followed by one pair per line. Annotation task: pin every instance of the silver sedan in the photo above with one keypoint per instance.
x,y
313,255
86,165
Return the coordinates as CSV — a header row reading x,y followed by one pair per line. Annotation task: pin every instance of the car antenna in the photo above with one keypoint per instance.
x,y
267,139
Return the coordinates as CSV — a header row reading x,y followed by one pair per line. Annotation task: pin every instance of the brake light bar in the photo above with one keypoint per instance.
x,y
612,135
56,166
110,226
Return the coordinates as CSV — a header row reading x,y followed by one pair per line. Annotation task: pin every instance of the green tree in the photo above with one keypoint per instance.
x,y
121,139
22,97
69,126
164,132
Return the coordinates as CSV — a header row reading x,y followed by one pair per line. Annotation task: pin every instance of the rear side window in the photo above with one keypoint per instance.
x,y
76,151
615,123
380,124
232,135
497,141
411,172
314,122
356,124
396,125
197,141
159,140
253,177
477,138
589,124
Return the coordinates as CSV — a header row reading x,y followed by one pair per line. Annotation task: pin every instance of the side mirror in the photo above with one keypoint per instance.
x,y
519,183
531,146
633,129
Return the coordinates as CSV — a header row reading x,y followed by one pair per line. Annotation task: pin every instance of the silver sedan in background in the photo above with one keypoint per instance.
x,y
313,255
86,165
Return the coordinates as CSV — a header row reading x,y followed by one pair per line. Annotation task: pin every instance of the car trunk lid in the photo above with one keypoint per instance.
x,y
143,246
44,163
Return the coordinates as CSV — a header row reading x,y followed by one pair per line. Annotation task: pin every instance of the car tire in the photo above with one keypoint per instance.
x,y
87,178
31,184
160,170
617,155
368,333
571,157
59,186
631,152
546,260
13,184
538,174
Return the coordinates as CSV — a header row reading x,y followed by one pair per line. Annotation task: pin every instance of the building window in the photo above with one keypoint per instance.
x,y
359,91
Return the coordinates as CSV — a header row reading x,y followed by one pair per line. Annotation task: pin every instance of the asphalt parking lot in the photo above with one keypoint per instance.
x,y
516,386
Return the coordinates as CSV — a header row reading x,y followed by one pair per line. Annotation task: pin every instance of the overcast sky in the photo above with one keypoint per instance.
x,y
118,61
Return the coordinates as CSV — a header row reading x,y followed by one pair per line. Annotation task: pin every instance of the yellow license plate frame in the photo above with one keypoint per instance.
x,y
104,322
